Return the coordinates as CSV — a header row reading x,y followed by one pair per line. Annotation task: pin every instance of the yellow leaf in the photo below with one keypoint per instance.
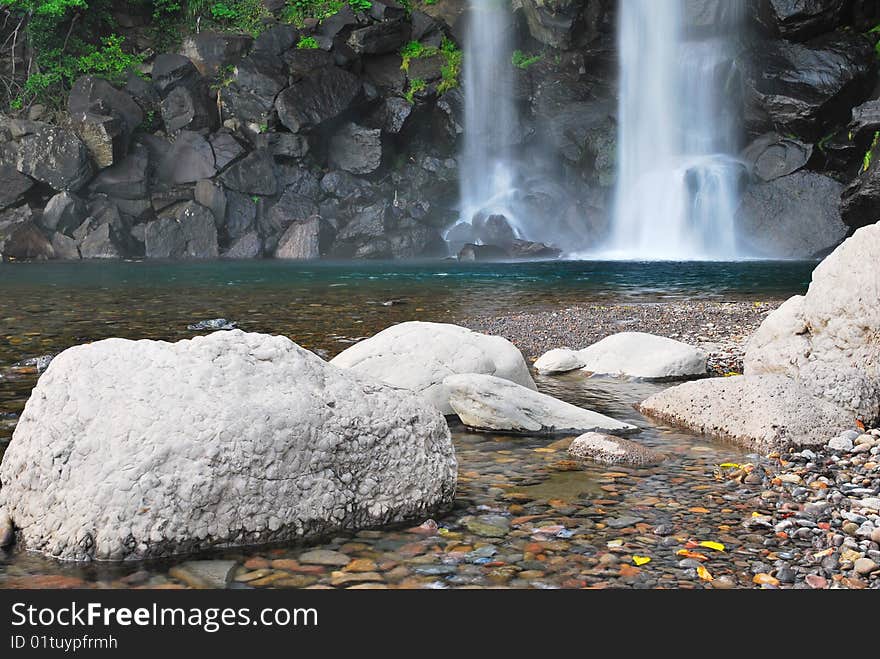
x,y
705,575
641,560
730,465
708,544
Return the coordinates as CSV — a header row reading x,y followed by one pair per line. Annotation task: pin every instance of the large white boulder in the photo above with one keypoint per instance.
x,y
485,402
419,356
829,339
140,449
559,360
645,356
765,412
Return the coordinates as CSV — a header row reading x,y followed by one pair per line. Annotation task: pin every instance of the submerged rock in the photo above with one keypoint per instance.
x,y
205,574
485,402
610,450
230,439
762,413
212,325
418,356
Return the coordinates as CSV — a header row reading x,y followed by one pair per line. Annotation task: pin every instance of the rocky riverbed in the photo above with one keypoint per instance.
x,y
721,329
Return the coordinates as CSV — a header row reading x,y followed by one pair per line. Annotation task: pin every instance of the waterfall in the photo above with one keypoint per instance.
x,y
487,176
678,175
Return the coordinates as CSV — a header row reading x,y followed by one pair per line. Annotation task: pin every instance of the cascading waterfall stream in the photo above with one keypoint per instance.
x,y
676,194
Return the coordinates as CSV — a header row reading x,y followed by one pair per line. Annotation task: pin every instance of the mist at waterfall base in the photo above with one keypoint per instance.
x,y
677,187
678,179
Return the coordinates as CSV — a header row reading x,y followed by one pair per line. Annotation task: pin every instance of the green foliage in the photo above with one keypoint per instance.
x,y
869,156
307,43
874,33
452,68
298,11
360,5
522,61
222,12
416,85
415,50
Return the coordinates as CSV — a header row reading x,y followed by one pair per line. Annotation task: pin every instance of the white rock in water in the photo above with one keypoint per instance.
x,y
645,356
484,402
418,356
761,412
7,532
827,339
611,450
140,449
560,360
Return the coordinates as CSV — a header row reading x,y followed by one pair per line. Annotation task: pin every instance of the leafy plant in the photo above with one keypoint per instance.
x,y
360,5
416,85
297,11
875,34
308,43
451,70
222,12
522,61
869,156
415,50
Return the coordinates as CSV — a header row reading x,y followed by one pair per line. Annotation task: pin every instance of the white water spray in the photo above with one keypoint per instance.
x,y
677,184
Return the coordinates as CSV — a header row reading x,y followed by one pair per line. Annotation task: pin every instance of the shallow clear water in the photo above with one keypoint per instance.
x,y
45,308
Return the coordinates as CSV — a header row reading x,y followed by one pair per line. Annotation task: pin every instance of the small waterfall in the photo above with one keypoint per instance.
x,y
487,177
678,176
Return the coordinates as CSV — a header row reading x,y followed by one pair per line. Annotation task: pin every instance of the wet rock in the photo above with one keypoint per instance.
x,y
607,449
762,412
252,175
13,186
356,149
799,20
472,252
305,239
379,38
47,153
325,557
487,526
204,434
418,356
859,203
553,24
801,89
319,97
205,574
795,216
825,340
212,325
865,123
190,234
485,402
21,238
772,156
248,246
213,52
527,250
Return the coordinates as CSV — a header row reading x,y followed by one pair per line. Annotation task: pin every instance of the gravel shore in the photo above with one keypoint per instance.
x,y
722,329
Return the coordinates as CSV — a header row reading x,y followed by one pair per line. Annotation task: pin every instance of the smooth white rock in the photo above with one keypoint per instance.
x,y
419,356
139,449
841,444
765,412
559,360
644,356
828,339
610,450
485,402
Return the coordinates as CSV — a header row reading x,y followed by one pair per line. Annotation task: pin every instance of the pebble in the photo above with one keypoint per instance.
x,y
816,582
325,557
865,566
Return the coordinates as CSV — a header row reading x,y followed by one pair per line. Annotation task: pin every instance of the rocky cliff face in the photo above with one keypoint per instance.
x,y
246,147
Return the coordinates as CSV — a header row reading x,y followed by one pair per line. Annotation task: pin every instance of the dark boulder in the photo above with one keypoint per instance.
x,y
391,116
585,133
21,238
379,38
47,153
387,10
865,124
290,208
801,89
104,117
299,179
483,253
190,234
64,213
226,148
254,175
318,98
493,230
860,203
772,156
799,20
185,99
283,146
305,239
128,179
302,61
65,247
553,23
213,52
99,240
356,149
250,95
332,26
449,116
343,185
189,159
276,40
415,240
213,197
795,216
166,198
249,246
385,72
364,235
527,250
13,186
240,217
